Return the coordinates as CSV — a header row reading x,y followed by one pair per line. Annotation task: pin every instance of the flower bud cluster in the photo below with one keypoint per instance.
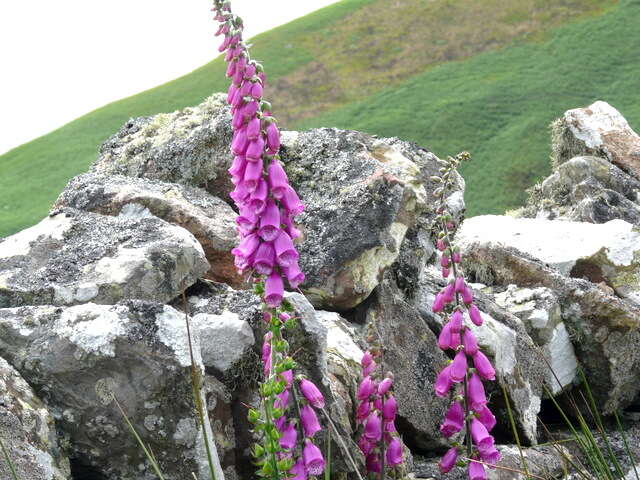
x,y
288,421
463,377
266,202
376,413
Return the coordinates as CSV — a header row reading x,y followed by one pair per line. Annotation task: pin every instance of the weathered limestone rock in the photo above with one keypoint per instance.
x,y
604,329
189,146
599,130
225,339
77,357
586,189
541,312
608,252
361,195
74,257
412,354
209,219
27,431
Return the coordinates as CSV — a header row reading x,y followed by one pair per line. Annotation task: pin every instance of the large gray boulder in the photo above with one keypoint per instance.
x,y
28,432
604,329
209,219
608,253
74,257
363,194
189,146
599,130
586,189
78,358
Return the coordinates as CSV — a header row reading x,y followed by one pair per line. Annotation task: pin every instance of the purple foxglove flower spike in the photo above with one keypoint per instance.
x,y
253,129
456,257
273,138
270,222
475,391
255,149
289,436
367,358
274,290
245,90
385,385
253,175
394,452
278,180
258,198
390,408
373,427
294,275
445,272
292,202
372,463
285,251
453,420
444,382
246,221
459,285
366,389
256,90
283,400
377,403
458,369
298,471
448,293
231,92
479,434
248,245
365,446
456,321
309,421
313,460
474,315
444,261
449,460
470,342
238,166
487,418
467,295
489,454
289,227
483,366
311,393
287,376
249,71
265,259
440,245
368,370
438,304
363,410
476,471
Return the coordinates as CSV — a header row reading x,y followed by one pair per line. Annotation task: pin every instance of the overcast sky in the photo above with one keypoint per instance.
x,y
61,59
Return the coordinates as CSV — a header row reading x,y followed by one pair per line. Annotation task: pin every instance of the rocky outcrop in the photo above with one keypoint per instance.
x,y
81,359
605,330
74,257
207,218
27,431
599,130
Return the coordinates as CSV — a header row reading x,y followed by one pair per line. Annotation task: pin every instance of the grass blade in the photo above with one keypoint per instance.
x,y
626,445
515,431
149,455
7,457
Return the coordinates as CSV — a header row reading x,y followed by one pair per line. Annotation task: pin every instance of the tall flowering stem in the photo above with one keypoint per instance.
x,y
468,420
376,412
267,204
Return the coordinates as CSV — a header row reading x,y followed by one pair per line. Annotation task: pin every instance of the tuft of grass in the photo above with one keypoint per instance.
x,y
335,67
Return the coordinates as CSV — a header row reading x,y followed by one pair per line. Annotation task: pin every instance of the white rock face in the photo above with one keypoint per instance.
x,y
612,248
224,338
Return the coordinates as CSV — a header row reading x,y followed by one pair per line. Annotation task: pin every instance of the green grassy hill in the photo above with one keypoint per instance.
x,y
484,76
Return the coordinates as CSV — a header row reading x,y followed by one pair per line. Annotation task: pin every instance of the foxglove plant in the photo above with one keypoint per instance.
x,y
267,206
376,413
468,420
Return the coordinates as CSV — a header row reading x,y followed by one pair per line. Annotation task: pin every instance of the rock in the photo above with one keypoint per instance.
x,y
586,189
361,195
209,219
189,146
604,329
541,312
543,461
412,354
225,339
74,257
599,130
77,357
28,432
608,252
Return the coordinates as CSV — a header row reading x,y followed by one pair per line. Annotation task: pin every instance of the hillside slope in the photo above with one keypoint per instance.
x,y
367,51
